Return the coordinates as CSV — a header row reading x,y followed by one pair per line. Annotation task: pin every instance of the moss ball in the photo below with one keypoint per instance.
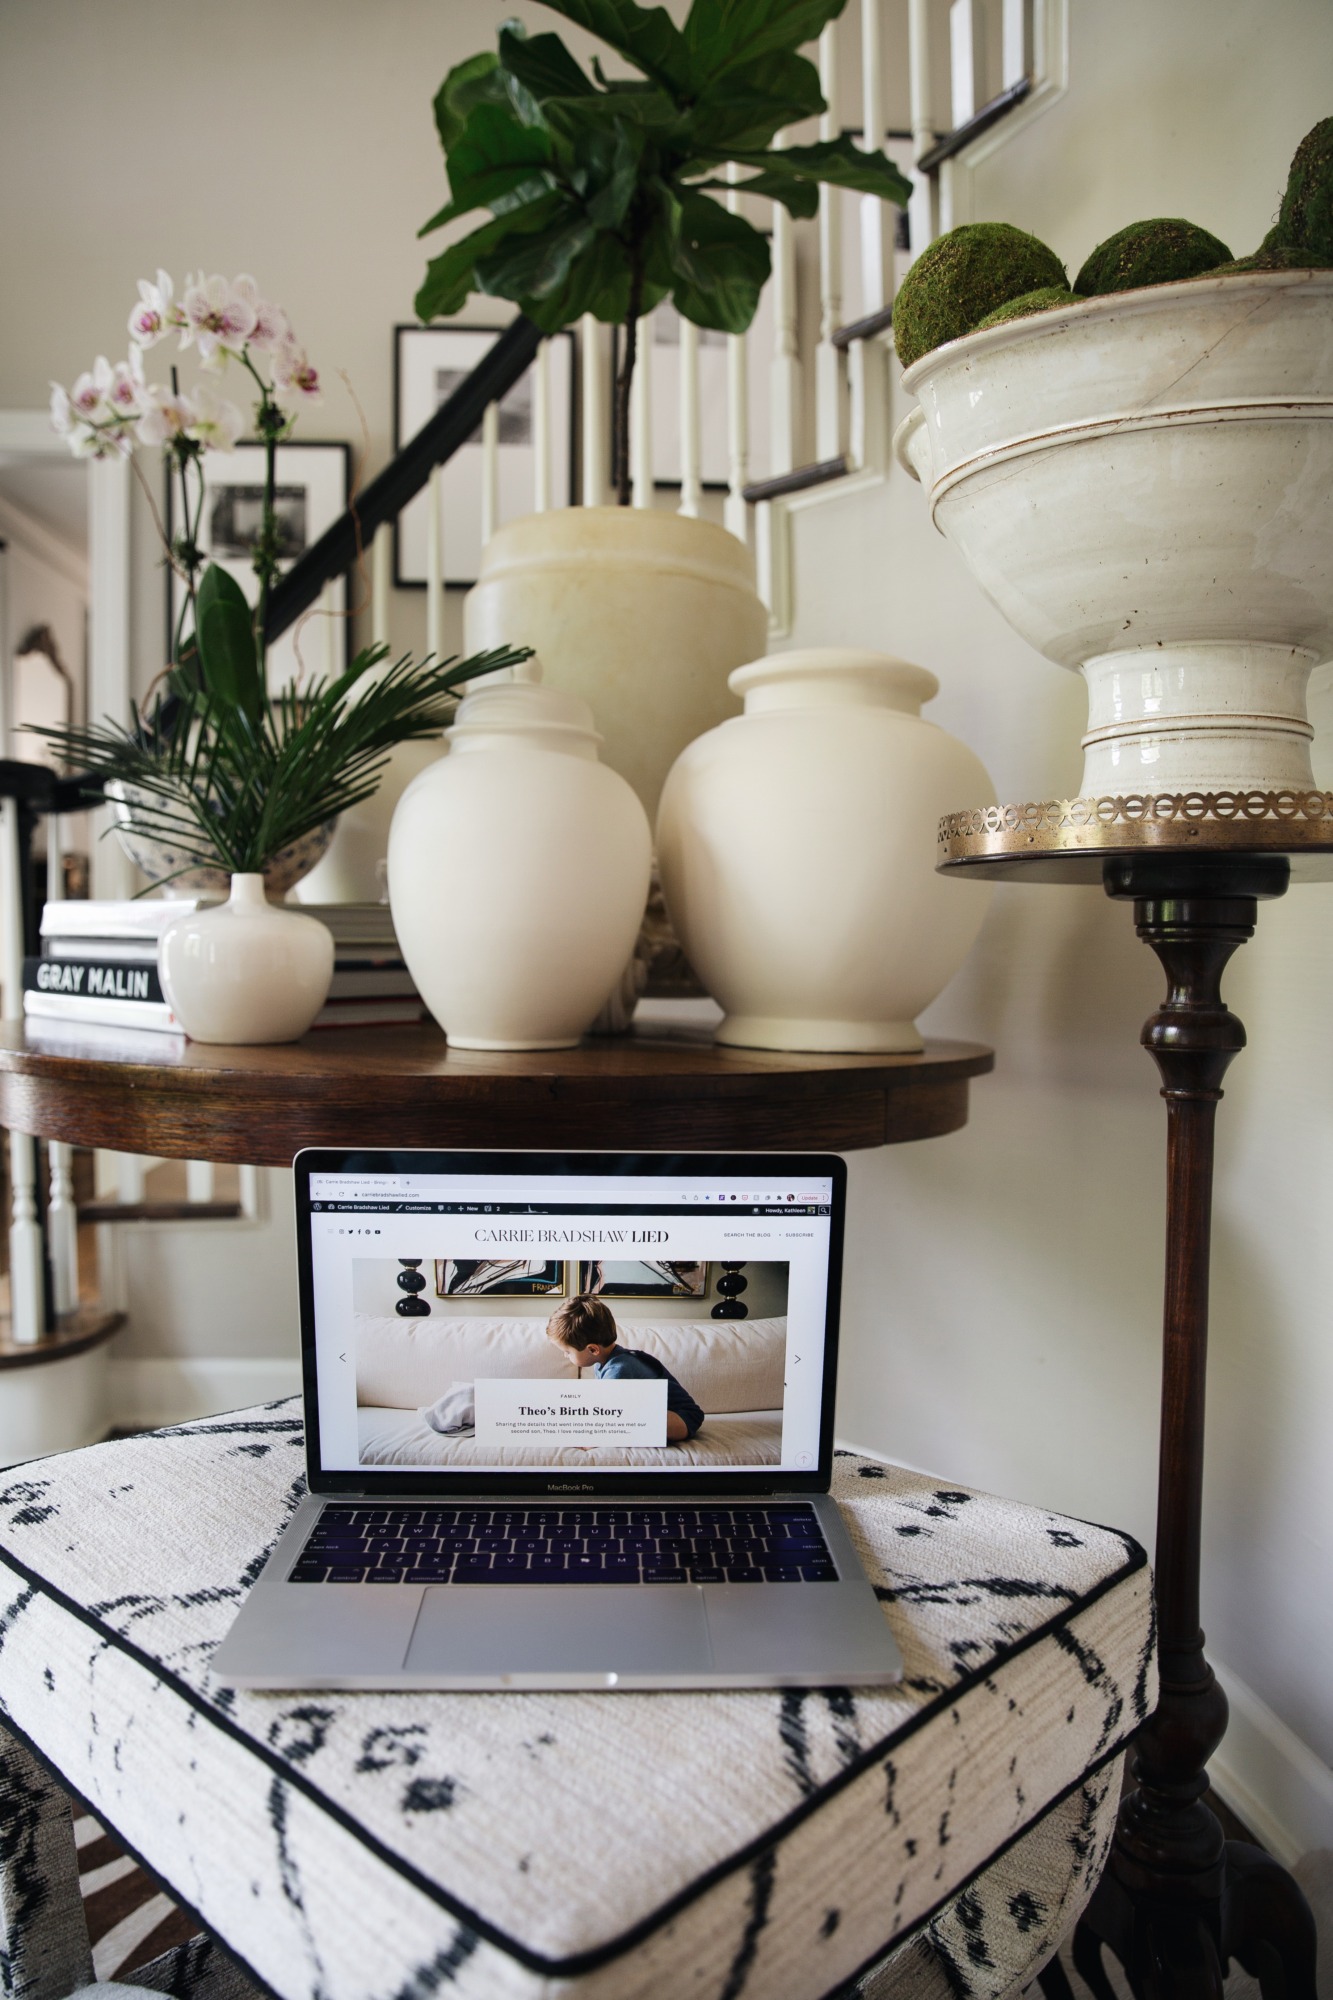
x,y
1305,219
1150,253
1045,299
964,275
1272,257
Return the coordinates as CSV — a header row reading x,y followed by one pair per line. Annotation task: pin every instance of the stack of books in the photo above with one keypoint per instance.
x,y
98,966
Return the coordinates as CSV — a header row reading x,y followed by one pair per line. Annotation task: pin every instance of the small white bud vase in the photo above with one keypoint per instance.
x,y
518,872
797,848
248,971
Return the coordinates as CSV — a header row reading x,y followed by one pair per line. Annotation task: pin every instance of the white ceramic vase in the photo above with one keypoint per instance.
x,y
518,871
797,849
1143,485
248,971
639,613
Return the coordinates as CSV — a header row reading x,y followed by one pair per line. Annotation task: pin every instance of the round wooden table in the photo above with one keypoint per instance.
x,y
655,1088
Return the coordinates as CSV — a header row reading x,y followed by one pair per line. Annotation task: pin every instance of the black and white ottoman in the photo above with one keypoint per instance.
x,y
937,1838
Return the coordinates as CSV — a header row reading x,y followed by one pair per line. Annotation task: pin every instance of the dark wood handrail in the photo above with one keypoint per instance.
x,y
973,127
403,477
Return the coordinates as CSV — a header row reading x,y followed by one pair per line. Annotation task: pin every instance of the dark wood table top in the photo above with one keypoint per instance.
x,y
654,1088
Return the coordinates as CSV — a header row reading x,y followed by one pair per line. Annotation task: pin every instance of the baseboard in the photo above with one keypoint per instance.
x,y
144,1394
1271,1780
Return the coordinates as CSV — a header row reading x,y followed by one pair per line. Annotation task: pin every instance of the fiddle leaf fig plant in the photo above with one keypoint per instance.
x,y
602,191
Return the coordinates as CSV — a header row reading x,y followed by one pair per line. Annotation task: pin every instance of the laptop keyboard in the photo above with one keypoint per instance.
x,y
351,1544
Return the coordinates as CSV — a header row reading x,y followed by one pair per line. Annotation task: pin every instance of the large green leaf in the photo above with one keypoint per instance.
x,y
532,265
837,161
720,265
497,163
611,175
721,34
476,81
452,275
543,65
799,197
647,35
753,102
228,657
598,282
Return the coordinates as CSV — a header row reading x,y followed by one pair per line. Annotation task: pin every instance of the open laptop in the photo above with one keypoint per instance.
x,y
484,1513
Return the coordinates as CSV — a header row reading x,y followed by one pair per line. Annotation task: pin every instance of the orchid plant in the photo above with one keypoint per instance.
x,y
111,408
218,773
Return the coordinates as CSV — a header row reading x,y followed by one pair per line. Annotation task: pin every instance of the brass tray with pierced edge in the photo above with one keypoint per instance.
x,y
1075,840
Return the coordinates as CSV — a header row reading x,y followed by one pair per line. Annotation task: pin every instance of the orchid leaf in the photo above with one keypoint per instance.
x,y
225,634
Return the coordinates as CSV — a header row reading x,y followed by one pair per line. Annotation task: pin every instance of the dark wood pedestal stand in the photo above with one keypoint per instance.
x,y
1177,1902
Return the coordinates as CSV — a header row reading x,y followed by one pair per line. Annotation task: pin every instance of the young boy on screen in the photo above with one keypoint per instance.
x,y
586,1328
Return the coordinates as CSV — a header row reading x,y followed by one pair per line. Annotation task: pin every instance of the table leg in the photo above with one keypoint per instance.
x,y
1178,1902
45,1937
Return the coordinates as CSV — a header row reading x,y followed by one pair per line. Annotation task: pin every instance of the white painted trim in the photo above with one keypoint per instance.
x,y
1274,1782
145,1393
26,532
1050,64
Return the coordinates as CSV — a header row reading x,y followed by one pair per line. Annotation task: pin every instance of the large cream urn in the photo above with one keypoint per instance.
x,y
1143,485
641,614
518,872
797,849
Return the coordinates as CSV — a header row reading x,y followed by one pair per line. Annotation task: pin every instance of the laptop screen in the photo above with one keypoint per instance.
x,y
568,1322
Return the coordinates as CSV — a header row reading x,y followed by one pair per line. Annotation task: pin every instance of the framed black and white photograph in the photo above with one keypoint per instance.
x,y
659,335
429,364
498,1277
665,1280
312,488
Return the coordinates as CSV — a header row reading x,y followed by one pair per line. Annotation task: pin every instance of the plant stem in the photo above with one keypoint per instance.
x,y
625,379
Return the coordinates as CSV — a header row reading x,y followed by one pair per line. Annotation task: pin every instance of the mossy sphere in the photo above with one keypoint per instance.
x,y
963,276
1305,219
1272,257
1158,252
1045,299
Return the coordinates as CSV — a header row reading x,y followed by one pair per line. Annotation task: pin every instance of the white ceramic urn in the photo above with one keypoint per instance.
x,y
249,971
641,614
1143,484
797,847
518,872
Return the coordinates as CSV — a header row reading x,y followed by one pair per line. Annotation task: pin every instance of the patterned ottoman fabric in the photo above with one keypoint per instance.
x,y
610,1846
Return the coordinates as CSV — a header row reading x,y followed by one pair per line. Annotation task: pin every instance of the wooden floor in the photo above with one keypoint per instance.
x,y
129,1919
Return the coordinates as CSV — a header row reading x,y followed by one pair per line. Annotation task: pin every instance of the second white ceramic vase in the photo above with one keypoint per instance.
x,y
797,845
248,971
518,871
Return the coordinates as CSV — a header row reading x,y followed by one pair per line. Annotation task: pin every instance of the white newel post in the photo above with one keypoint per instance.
x,y
830,428
921,219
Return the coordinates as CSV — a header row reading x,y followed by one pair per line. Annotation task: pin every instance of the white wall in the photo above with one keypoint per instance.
x,y
1004,1286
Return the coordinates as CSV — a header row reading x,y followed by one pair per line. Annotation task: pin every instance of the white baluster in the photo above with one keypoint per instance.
x,y
251,1190
200,1180
786,382
830,432
876,217
435,563
966,60
691,483
541,428
62,1228
26,1250
594,412
381,583
921,217
1015,42
641,420
736,513
490,472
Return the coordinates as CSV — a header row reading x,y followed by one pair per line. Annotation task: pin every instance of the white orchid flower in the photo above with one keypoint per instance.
x,y
88,397
214,422
127,389
164,415
295,379
155,314
271,328
216,317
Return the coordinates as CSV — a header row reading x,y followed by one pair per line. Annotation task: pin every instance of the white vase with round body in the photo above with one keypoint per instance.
x,y
1143,485
797,849
518,871
248,971
640,613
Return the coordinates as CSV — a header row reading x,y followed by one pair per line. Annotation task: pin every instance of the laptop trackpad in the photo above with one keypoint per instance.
x,y
603,1630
